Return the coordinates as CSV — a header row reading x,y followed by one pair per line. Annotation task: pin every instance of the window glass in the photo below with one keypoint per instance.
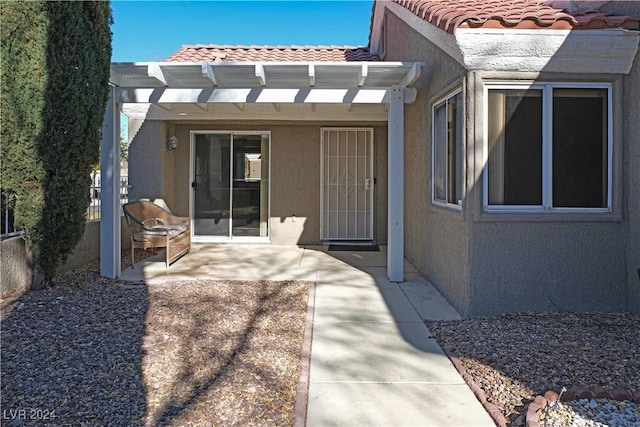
x,y
454,149
448,150
551,159
440,152
515,147
580,148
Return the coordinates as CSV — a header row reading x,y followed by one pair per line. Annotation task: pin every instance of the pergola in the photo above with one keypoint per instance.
x,y
174,85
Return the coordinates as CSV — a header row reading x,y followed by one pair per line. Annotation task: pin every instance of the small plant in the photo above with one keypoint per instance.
x,y
553,406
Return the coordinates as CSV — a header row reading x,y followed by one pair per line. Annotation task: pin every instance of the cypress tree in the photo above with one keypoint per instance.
x,y
55,74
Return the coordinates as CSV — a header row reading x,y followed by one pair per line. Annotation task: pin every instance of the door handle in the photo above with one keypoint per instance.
x,y
368,184
194,184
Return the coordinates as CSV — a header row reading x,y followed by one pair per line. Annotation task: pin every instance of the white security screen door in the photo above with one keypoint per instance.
x,y
347,184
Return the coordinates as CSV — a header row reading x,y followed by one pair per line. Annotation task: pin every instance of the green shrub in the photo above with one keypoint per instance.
x,y
55,74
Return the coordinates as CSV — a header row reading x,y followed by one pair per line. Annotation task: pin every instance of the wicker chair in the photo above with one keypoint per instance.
x,y
152,227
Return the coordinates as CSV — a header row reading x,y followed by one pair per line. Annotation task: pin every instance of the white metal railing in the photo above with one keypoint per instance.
x,y
93,212
7,228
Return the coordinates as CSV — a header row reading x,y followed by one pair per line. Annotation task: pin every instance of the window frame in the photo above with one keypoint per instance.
x,y
547,146
460,174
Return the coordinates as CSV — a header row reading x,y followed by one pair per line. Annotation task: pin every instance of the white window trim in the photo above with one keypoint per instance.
x,y
547,147
434,201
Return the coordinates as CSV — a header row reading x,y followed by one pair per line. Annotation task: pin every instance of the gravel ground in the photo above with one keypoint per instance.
x,y
593,413
515,357
91,351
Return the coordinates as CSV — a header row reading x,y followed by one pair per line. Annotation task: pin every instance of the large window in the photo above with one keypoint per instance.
x,y
447,150
548,147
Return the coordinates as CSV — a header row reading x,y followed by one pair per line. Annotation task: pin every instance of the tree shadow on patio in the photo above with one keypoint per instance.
x,y
225,352
94,351
71,353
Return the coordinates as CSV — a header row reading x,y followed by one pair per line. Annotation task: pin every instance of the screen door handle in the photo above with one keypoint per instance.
x,y
368,184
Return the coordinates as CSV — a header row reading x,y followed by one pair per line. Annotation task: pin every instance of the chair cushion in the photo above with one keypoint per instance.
x,y
159,231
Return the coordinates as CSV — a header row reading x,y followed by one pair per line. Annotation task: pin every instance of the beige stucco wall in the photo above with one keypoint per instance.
x,y
487,263
295,173
631,123
550,261
15,266
88,248
295,186
147,147
435,237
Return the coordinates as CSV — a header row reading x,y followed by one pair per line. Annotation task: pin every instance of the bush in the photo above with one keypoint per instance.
x,y
55,74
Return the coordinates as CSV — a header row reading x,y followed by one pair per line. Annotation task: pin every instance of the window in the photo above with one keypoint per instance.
x,y
447,150
548,147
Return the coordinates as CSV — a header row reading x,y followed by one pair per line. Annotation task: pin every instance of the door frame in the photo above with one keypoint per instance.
x,y
229,238
371,229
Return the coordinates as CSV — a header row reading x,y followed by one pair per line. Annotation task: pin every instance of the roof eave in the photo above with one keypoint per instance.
x,y
508,49
607,51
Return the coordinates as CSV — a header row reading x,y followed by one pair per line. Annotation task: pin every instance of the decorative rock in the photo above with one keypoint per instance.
x,y
89,352
621,394
533,409
512,369
583,392
594,413
532,422
601,393
541,401
551,396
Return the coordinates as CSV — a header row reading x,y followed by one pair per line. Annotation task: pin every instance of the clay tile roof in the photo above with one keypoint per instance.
x,y
227,53
521,14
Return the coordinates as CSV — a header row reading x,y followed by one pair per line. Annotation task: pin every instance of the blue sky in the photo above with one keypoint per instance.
x,y
153,30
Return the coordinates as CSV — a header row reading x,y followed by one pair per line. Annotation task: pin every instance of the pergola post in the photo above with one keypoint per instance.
x,y
110,190
395,227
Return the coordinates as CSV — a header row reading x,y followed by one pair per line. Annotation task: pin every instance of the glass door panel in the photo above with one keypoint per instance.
x,y
212,195
247,174
231,185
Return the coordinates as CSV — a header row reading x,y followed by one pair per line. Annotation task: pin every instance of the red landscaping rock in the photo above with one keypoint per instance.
x,y
621,394
583,392
541,401
551,396
601,393
533,422
534,408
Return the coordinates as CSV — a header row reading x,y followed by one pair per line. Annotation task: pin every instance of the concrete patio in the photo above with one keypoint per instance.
x,y
373,362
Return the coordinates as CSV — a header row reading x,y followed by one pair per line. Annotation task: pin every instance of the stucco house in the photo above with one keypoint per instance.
x,y
493,144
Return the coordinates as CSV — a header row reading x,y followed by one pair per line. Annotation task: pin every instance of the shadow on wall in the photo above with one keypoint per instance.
x,y
547,233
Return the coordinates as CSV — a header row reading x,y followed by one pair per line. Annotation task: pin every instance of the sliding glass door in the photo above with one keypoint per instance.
x,y
230,185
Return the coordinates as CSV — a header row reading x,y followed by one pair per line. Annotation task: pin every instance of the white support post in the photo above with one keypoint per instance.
x,y
395,227
110,190
312,75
